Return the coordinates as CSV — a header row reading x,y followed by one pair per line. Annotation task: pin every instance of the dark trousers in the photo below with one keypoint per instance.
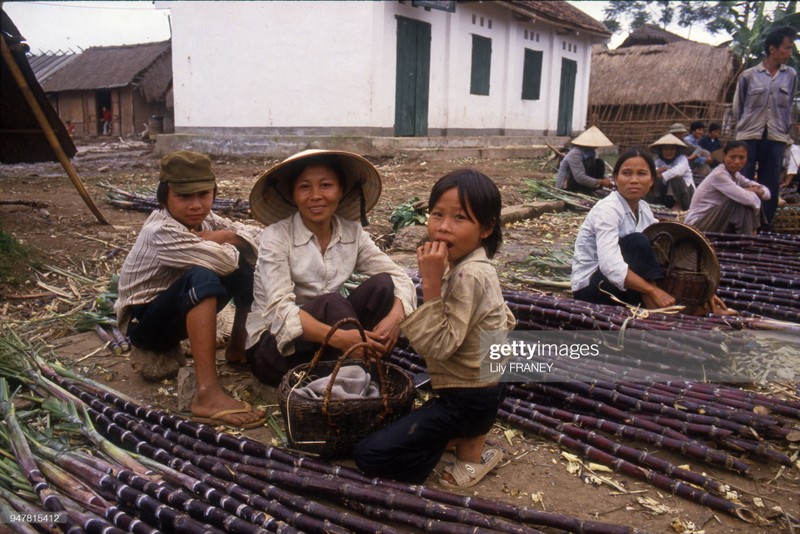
x,y
370,302
669,194
768,156
160,324
596,168
408,449
637,251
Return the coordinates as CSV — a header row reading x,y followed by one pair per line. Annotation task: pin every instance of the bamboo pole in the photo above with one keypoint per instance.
x,y
48,132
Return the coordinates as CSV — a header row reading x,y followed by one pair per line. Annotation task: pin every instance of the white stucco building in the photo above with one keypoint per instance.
x,y
383,68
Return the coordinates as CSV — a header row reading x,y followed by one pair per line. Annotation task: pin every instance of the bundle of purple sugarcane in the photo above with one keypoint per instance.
x,y
760,275
187,477
120,198
610,409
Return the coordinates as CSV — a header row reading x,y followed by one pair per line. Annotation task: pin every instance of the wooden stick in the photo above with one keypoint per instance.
x,y
48,131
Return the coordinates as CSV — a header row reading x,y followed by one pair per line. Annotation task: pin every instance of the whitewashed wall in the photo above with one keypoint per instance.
x,y
262,66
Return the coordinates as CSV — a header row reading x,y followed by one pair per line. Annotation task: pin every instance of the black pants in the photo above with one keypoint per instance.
x,y
596,168
408,449
637,251
370,302
160,324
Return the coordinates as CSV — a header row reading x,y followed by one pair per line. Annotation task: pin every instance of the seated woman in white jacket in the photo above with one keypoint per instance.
x,y
726,201
674,183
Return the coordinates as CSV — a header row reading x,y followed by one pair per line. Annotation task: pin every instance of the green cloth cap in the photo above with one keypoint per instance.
x,y
187,172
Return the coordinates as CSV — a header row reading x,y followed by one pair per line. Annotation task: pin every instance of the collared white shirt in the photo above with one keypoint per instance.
x,y
597,244
291,270
678,168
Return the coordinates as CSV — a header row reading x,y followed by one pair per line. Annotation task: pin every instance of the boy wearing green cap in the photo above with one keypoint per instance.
x,y
186,265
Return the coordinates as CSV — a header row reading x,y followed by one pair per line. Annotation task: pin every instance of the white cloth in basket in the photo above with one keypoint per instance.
x,y
352,382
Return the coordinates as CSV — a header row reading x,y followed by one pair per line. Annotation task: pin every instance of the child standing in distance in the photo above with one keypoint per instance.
x,y
462,298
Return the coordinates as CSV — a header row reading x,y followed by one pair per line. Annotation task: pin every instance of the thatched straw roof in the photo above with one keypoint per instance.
x,y
560,14
650,34
22,139
147,66
682,71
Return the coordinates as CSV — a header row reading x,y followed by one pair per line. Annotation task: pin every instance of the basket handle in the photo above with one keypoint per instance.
x,y
671,240
336,326
379,364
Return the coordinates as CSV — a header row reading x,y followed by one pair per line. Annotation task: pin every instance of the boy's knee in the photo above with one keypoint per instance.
x,y
199,276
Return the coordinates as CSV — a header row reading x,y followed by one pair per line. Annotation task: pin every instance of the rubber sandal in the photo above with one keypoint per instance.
x,y
467,474
218,418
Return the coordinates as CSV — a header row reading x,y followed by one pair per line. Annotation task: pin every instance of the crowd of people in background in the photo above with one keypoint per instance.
x,y
721,187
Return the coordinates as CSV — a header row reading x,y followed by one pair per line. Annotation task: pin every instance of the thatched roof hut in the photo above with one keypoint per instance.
x,y
650,34
22,138
134,81
635,93
146,66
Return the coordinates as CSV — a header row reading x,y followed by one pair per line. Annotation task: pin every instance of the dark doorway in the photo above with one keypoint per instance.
x,y
102,99
566,96
413,72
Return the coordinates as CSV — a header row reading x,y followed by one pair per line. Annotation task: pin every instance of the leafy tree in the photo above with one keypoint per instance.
x,y
746,21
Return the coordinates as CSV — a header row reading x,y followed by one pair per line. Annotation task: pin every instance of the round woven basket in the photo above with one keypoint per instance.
x,y
689,259
331,427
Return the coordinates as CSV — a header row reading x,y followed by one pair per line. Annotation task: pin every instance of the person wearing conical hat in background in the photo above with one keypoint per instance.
x,y
674,185
187,263
581,171
314,204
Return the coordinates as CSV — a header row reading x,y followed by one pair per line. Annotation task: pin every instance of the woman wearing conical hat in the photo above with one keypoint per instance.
x,y
674,185
314,205
581,171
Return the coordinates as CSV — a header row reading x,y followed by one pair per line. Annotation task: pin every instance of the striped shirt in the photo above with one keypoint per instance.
x,y
165,248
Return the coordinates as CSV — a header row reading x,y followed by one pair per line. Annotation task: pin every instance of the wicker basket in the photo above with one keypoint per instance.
x,y
787,220
331,427
688,286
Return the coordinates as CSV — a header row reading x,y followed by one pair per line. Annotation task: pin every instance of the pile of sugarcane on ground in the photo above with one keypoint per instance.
x,y
609,409
75,450
120,198
760,274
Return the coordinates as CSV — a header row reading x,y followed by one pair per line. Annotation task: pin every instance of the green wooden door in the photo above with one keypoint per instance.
x,y
413,72
566,96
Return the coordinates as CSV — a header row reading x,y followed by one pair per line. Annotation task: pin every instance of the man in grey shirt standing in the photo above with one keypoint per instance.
x,y
762,107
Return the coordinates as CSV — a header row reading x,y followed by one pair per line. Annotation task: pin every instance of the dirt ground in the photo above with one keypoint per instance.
x,y
65,236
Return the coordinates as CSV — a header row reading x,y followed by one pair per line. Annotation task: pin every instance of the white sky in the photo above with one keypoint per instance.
x,y
79,25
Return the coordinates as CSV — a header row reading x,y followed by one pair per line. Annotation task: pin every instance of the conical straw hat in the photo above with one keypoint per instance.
x,y
669,140
271,196
592,137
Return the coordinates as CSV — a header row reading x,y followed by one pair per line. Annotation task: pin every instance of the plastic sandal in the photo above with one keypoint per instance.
x,y
467,474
